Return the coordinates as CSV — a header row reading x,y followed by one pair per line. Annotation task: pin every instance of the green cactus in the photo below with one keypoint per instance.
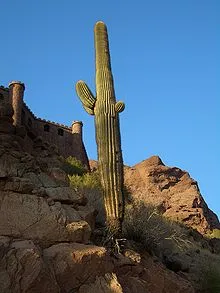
x,y
108,139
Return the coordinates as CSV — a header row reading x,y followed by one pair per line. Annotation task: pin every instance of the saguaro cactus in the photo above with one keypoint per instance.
x,y
108,139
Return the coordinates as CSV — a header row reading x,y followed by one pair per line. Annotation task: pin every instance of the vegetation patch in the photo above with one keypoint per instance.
x,y
72,166
144,224
85,181
210,273
214,234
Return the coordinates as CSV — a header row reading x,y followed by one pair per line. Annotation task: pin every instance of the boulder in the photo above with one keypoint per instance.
x,y
104,284
22,268
66,195
77,264
95,200
20,185
146,275
31,217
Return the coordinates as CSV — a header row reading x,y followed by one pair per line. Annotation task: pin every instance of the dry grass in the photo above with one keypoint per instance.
x,y
174,245
144,224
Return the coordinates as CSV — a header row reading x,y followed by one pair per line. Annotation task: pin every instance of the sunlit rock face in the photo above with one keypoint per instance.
x,y
173,191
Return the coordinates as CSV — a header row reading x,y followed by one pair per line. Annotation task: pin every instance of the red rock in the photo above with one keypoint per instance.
x,y
173,191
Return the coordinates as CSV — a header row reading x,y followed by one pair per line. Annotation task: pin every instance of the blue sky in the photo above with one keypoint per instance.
x,y
166,67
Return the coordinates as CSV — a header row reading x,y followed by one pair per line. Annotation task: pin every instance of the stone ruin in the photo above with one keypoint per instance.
x,y
68,140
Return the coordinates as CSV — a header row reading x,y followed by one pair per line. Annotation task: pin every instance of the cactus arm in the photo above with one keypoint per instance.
x,y
89,110
119,107
86,97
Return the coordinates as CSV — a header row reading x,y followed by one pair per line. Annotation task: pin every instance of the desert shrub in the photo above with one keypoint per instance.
x,y
85,181
90,184
174,245
72,166
215,234
210,278
144,224
127,194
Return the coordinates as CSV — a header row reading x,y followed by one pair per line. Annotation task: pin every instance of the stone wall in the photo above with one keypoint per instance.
x,y
68,140
4,93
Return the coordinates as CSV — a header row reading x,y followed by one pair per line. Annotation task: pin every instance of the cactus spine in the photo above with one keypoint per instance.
x,y
106,110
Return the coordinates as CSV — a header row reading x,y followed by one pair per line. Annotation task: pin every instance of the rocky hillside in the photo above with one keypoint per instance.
x,y
46,228
173,191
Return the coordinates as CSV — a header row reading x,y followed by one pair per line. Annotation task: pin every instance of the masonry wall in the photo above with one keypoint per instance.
x,y
67,142
4,94
28,119
59,135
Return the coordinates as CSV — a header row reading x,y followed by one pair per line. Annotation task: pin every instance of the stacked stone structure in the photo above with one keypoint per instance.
x,y
68,140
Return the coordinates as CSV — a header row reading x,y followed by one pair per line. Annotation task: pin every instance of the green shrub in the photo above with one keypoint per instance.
x,y
72,166
215,233
86,180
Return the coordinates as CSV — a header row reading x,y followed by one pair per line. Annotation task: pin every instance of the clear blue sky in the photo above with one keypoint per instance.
x,y
166,65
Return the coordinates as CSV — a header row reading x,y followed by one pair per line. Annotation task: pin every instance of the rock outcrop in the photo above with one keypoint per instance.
x,y
44,223
140,273
45,228
22,268
173,191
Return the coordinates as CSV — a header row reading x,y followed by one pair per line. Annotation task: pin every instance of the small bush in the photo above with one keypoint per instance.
x,y
215,233
90,184
86,180
72,166
144,224
210,282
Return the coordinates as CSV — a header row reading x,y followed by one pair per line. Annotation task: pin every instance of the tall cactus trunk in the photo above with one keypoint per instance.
x,y
106,110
